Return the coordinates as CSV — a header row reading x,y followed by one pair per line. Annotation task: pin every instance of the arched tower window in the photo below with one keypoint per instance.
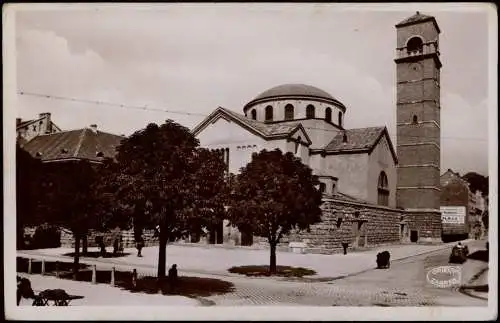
x,y
254,114
269,113
289,112
340,119
310,111
328,114
415,119
297,143
383,189
322,188
415,45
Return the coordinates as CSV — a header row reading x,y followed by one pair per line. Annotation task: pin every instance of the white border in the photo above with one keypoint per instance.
x,y
240,313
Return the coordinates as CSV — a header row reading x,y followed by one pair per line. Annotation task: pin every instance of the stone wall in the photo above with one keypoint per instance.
x,y
127,237
427,224
358,224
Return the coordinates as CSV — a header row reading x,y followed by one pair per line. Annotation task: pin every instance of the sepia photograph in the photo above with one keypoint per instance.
x,y
255,161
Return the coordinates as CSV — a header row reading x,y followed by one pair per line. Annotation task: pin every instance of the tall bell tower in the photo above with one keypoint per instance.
x,y
418,125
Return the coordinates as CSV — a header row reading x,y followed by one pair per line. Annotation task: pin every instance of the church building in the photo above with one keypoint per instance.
x,y
308,122
370,195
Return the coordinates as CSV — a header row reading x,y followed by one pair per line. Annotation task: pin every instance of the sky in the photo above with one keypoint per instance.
x,y
197,57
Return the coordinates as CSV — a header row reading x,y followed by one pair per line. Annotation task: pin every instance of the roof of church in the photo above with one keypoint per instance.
x,y
265,130
418,18
358,140
286,91
270,129
74,144
362,138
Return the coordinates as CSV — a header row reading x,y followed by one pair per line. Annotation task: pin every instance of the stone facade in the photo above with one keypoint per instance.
x,y
418,125
127,238
426,226
361,225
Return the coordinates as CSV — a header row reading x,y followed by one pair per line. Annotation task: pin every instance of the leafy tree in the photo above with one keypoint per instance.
x,y
71,200
274,194
485,219
168,181
27,177
477,182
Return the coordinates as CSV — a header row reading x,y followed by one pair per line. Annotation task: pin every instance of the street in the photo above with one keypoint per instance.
x,y
404,284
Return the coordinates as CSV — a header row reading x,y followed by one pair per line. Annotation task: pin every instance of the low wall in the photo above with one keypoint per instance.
x,y
361,226
127,238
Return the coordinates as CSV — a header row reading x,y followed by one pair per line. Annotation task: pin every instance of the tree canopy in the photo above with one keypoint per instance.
x,y
274,194
166,180
477,182
27,179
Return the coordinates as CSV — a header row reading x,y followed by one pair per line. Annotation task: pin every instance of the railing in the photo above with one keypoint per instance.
x,y
427,48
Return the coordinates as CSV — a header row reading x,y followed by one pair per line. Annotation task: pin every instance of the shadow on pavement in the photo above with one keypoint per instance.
x,y
482,255
97,254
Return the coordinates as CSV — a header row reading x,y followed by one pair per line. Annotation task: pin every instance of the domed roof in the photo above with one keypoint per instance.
x,y
287,91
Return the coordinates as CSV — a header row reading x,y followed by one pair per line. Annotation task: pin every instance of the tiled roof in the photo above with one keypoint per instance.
x,y
357,139
265,130
418,17
269,129
80,144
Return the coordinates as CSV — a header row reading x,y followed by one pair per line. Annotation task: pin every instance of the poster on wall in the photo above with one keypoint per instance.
x,y
452,214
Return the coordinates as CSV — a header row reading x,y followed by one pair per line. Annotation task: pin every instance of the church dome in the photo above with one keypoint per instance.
x,y
293,91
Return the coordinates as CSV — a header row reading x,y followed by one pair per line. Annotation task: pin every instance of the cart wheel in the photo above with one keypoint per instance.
x,y
38,302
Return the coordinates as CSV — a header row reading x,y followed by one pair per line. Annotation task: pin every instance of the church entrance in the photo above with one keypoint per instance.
x,y
413,235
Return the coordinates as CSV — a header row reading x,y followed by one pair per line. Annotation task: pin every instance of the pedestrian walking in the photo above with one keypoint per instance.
x,y
172,276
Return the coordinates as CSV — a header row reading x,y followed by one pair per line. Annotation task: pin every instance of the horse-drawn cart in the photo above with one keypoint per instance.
x,y
54,297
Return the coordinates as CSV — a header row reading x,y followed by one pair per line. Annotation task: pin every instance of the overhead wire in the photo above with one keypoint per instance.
x,y
151,108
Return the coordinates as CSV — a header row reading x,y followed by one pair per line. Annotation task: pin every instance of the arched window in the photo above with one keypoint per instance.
x,y
414,45
383,189
328,114
322,187
297,143
310,111
340,119
289,113
415,119
269,113
254,114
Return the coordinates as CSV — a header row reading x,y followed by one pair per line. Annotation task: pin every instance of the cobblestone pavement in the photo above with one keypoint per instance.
x,y
404,284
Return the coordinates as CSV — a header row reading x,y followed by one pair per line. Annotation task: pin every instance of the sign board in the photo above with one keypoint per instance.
x,y
453,214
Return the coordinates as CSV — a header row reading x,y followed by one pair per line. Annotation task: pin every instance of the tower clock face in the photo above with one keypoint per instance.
x,y
416,70
415,67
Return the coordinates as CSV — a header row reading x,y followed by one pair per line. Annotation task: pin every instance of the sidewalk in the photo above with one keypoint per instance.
x,y
102,294
217,261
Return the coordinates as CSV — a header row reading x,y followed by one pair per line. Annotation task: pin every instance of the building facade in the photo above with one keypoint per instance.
x,y
29,129
418,125
456,192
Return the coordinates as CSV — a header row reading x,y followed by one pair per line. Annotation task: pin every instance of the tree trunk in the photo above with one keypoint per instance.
x,y
76,258
84,244
162,255
272,265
